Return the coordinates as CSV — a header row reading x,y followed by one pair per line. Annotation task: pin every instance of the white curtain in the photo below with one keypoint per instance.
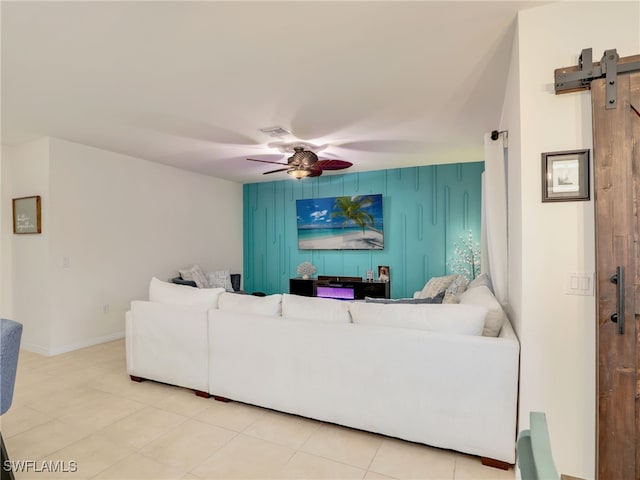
x,y
494,216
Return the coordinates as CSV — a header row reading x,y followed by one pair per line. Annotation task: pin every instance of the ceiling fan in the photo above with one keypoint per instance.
x,y
305,163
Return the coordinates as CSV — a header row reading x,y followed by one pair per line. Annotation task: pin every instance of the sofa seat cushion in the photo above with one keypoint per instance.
x,y
173,294
314,308
482,296
267,305
453,318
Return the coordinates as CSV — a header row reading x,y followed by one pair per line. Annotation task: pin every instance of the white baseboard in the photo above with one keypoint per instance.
x,y
48,352
32,347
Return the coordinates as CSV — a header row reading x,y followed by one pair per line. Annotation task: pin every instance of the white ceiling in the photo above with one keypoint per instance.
x,y
189,84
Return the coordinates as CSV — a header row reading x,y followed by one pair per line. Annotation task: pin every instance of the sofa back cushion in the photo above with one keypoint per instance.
x,y
452,318
235,302
173,294
482,296
314,308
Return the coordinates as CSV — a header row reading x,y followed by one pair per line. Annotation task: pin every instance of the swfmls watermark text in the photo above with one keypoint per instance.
x,y
41,466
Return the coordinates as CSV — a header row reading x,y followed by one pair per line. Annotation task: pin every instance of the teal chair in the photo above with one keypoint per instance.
x,y
534,450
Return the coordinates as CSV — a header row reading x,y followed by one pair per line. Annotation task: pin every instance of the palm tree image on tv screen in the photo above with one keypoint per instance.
x,y
340,223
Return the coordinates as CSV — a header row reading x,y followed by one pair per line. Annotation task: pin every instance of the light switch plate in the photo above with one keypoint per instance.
x,y
580,283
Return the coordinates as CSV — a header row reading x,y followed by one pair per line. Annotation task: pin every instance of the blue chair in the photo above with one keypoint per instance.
x,y
534,450
10,335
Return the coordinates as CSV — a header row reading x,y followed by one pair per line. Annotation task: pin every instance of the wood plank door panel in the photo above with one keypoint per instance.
x,y
616,179
634,85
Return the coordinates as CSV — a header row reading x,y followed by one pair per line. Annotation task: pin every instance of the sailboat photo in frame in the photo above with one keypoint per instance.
x,y
565,176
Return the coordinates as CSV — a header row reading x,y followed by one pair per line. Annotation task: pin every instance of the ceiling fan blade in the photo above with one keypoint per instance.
x,y
332,164
278,170
266,161
314,172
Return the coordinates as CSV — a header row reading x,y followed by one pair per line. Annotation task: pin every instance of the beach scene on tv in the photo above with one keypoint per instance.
x,y
340,223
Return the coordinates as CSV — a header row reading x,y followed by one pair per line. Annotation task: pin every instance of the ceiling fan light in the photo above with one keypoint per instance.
x,y
299,173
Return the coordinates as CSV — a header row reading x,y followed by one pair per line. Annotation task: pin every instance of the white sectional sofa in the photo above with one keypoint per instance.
x,y
423,373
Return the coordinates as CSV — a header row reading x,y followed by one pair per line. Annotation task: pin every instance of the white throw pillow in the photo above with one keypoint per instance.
x,y
220,279
456,319
436,285
480,281
313,308
495,316
195,274
458,286
455,289
450,298
172,294
237,302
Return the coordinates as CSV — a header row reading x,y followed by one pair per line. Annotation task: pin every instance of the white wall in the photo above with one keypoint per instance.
x,y
550,240
120,220
25,292
5,250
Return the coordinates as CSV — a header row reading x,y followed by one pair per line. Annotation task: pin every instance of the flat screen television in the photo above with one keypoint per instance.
x,y
340,223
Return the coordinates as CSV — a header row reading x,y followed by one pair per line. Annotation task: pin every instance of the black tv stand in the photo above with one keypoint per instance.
x,y
339,287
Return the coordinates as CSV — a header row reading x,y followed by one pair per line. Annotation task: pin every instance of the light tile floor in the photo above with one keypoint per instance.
x,y
79,411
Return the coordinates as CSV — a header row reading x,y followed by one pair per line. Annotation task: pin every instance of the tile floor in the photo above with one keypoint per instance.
x,y
79,411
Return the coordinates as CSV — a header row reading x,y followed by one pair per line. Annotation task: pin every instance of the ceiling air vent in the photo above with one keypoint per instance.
x,y
275,131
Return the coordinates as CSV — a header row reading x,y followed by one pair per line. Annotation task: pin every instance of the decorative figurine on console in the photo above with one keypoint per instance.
x,y
306,269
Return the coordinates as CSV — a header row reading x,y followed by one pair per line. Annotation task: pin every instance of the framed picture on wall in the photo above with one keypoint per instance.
x,y
383,273
340,223
565,176
27,216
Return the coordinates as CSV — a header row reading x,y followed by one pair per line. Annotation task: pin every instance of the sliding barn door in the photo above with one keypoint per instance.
x,y
617,192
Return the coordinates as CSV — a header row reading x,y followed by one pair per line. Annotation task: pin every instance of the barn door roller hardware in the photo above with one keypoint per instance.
x,y
576,78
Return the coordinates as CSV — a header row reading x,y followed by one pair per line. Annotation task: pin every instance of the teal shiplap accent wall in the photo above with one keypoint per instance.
x,y
425,211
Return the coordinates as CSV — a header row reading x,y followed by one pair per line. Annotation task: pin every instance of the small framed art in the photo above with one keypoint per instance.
x,y
383,273
27,215
565,176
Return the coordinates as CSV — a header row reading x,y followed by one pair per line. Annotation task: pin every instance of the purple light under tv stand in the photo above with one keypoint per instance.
x,y
340,293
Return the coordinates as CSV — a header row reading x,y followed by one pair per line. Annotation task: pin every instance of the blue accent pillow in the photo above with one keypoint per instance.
x,y
182,281
437,299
